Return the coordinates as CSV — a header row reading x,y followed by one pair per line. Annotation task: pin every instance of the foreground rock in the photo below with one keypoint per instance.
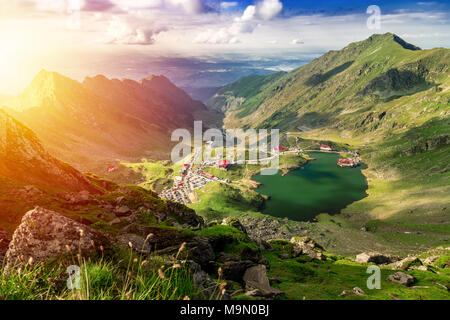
x,y
375,257
402,278
255,278
4,242
44,235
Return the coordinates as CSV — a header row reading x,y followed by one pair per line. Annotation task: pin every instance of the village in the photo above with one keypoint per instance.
x,y
192,177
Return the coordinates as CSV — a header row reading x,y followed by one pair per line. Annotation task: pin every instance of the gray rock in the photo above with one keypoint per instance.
x,y
44,235
138,243
235,223
122,211
407,263
307,246
256,278
235,270
402,278
375,257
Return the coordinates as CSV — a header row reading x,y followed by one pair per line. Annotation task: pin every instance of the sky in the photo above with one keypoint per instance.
x,y
197,43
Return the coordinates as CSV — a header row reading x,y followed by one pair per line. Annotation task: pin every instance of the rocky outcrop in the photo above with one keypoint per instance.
x,y
307,246
375,257
255,278
270,228
402,278
408,263
235,223
134,242
44,235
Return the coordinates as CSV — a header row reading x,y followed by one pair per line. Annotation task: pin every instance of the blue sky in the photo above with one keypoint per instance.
x,y
218,41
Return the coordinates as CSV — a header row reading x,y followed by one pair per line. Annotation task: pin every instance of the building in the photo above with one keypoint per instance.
x,y
280,148
111,169
349,163
224,164
325,147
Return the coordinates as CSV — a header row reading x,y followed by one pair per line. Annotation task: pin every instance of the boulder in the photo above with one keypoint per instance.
x,y
235,223
122,211
407,263
44,235
256,278
307,246
134,242
4,242
235,270
402,278
375,257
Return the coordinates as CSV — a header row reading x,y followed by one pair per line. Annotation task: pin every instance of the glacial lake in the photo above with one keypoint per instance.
x,y
320,187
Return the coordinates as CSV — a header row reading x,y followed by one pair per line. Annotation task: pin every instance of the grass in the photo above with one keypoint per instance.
x,y
314,280
125,276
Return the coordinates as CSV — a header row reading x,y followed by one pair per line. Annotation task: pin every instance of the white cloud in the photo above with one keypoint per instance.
x,y
297,41
246,23
228,4
268,9
127,31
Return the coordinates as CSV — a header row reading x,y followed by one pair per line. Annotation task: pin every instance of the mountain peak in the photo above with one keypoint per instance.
x,y
391,37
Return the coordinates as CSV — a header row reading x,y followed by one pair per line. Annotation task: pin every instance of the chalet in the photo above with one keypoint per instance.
x,y
224,164
349,163
111,169
279,148
325,147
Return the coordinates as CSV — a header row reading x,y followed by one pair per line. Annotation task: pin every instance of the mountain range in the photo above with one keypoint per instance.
x,y
104,118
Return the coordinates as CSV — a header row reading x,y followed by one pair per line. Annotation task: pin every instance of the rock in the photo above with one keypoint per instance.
x,y
374,257
208,287
284,256
44,235
358,291
138,243
235,270
114,222
402,278
256,278
307,246
4,243
235,223
254,293
355,291
122,211
201,252
430,260
407,263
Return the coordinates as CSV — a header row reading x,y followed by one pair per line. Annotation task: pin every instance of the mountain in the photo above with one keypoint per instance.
x,y
338,89
245,93
386,98
23,158
104,119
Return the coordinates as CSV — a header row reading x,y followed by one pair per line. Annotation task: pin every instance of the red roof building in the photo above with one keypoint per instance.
x,y
325,147
111,168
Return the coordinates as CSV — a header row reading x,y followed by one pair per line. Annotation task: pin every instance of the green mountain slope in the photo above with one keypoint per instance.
x,y
244,94
390,100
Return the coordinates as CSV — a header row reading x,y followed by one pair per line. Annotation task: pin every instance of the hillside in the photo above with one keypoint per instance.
x,y
102,119
391,101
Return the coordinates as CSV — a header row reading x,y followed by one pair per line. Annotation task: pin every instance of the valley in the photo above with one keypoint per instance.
x,y
94,156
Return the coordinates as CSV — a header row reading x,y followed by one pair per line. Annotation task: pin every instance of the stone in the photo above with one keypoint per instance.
x,y
122,211
307,246
114,222
256,278
407,263
4,243
402,278
254,293
235,270
430,260
235,223
44,235
138,243
375,257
